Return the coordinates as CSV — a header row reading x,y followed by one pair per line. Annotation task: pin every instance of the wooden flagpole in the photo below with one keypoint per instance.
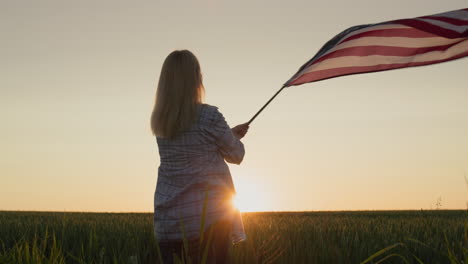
x,y
265,105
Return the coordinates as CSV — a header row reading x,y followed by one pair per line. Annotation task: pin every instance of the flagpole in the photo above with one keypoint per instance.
x,y
265,105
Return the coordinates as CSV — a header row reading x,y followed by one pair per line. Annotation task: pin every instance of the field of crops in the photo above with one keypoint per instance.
x,y
285,237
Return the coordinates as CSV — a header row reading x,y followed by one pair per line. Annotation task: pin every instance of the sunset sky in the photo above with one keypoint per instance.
x,y
78,80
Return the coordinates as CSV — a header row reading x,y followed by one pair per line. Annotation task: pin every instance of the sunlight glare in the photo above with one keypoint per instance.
x,y
249,198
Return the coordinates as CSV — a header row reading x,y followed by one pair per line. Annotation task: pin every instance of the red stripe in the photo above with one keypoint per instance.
x,y
393,32
417,32
428,27
453,21
382,50
336,72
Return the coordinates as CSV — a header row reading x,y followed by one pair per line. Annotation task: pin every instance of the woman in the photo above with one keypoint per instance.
x,y
194,191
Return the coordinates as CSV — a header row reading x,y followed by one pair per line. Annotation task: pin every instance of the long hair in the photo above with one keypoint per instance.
x,y
180,89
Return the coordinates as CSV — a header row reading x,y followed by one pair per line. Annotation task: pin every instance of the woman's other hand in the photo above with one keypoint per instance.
x,y
239,131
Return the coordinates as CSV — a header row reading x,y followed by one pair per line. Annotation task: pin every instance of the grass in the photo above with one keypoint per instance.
x,y
439,236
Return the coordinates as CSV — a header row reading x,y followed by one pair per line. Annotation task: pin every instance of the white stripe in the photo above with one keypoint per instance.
x,y
400,42
353,61
387,41
403,42
445,25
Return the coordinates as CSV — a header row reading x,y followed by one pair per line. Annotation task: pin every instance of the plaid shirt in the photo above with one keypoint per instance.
x,y
194,178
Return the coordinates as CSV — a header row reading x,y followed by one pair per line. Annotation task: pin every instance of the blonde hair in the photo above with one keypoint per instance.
x,y
180,89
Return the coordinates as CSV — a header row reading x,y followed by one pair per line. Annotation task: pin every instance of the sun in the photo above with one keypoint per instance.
x,y
236,203
249,197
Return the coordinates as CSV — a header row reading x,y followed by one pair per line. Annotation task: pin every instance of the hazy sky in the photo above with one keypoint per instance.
x,y
78,80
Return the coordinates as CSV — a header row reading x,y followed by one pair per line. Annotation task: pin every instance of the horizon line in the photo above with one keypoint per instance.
x,y
280,211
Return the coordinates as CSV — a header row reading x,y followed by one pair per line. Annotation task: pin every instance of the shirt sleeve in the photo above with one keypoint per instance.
x,y
231,148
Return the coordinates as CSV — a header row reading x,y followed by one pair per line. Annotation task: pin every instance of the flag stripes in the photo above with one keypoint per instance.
x,y
389,45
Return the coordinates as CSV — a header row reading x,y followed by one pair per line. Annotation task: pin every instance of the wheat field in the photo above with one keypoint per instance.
x,y
437,236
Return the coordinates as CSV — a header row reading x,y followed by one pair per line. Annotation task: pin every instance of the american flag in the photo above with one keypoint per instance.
x,y
389,45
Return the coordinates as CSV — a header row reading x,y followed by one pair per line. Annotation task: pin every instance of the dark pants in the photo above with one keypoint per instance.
x,y
216,240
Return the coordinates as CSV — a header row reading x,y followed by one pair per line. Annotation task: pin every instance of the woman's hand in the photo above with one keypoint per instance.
x,y
239,131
